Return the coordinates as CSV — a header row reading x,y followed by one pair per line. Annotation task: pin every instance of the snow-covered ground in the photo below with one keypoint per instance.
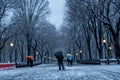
x,y
51,72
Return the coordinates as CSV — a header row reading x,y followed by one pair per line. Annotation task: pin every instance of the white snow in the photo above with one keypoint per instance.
x,y
51,72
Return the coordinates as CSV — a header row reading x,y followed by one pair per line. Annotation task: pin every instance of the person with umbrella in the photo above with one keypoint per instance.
x,y
30,60
59,56
69,59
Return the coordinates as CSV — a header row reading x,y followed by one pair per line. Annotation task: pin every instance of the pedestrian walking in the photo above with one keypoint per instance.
x,y
60,57
69,59
30,61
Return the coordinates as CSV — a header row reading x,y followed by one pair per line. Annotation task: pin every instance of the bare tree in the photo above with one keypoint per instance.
x,y
5,6
110,17
29,14
44,41
81,20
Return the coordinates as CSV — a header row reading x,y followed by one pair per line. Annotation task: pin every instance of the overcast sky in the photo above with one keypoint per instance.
x,y
57,12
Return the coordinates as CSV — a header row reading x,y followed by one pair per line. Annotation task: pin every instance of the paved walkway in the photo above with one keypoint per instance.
x,y
51,72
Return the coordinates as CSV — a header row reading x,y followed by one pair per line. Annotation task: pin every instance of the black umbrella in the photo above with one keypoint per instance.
x,y
58,53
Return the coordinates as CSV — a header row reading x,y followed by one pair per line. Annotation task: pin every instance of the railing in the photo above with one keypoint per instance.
x,y
108,61
24,64
4,66
101,61
89,61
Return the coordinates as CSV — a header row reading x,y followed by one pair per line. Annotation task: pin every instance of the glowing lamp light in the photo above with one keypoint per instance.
x,y
11,44
104,41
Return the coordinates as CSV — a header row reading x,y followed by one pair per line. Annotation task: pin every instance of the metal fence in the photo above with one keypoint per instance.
x,y
24,64
100,61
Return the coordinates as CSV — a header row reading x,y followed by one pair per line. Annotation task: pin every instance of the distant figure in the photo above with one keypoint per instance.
x,y
30,60
59,56
69,59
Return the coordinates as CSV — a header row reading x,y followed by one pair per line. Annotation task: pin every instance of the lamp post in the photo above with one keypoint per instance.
x,y
104,44
36,55
109,51
81,54
10,54
76,56
108,57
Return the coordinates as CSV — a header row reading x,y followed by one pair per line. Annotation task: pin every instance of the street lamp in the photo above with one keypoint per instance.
x,y
104,44
80,51
81,54
109,51
104,41
11,44
110,48
11,50
36,55
36,52
76,56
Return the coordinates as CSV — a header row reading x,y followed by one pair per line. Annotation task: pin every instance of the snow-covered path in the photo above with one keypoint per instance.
x,y
51,72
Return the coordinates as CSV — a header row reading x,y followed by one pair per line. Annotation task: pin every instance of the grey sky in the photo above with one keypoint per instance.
x,y
57,11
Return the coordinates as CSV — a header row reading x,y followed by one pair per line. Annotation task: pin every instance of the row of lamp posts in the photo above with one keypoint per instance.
x,y
12,45
108,48
80,55
104,41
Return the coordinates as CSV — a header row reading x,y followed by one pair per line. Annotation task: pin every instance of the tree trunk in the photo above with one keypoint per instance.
x,y
117,49
89,49
29,48
0,56
15,55
116,44
35,55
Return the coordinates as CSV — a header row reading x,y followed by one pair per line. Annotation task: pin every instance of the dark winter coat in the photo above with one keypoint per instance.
x,y
59,56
